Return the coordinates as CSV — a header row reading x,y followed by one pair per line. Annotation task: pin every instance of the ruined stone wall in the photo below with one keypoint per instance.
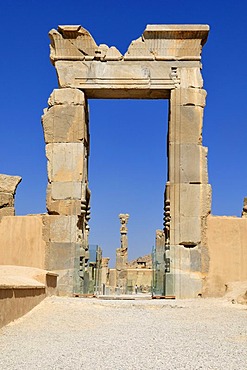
x,y
227,249
8,185
21,240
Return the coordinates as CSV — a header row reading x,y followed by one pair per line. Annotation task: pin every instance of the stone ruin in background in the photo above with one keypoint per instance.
x,y
196,253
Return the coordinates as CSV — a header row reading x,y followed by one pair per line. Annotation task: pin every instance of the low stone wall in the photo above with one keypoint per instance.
x,y
17,301
227,249
21,241
21,289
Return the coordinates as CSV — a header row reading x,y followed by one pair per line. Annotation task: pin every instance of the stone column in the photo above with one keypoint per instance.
x,y
189,195
104,274
122,254
65,125
159,264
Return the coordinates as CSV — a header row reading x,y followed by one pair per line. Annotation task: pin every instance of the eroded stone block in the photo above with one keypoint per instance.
x,y
188,163
65,123
190,230
64,207
66,96
185,125
193,96
65,161
8,184
190,285
66,190
60,256
61,229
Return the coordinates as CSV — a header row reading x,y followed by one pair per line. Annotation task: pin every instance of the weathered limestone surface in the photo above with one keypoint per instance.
x,y
65,161
63,124
63,236
8,185
22,242
227,248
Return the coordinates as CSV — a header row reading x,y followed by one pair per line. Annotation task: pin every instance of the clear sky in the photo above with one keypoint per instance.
x,y
128,137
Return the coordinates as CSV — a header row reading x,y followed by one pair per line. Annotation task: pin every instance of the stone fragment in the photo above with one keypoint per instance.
x,y
138,50
71,42
62,48
66,96
65,161
113,54
100,52
8,184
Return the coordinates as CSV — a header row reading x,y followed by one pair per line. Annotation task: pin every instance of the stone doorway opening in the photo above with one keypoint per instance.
x,y
127,172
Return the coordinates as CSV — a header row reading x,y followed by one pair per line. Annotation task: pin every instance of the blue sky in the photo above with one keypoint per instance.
x,y
128,137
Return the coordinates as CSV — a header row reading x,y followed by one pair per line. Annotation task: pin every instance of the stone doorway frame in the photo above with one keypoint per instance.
x,y
164,63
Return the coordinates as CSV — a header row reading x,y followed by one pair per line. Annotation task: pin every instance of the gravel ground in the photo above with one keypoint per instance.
x,y
79,333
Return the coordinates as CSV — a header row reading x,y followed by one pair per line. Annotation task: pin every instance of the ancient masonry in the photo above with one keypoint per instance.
x,y
164,63
8,185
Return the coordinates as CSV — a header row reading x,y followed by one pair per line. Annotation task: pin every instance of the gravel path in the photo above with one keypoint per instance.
x,y
79,333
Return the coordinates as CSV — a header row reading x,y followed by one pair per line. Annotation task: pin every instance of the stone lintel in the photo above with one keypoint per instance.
x,y
158,42
127,79
177,31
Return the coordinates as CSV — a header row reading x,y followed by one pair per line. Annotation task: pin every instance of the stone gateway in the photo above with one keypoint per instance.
x,y
164,63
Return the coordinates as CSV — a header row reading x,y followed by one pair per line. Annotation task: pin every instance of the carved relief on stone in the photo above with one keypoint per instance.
x,y
167,214
124,220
